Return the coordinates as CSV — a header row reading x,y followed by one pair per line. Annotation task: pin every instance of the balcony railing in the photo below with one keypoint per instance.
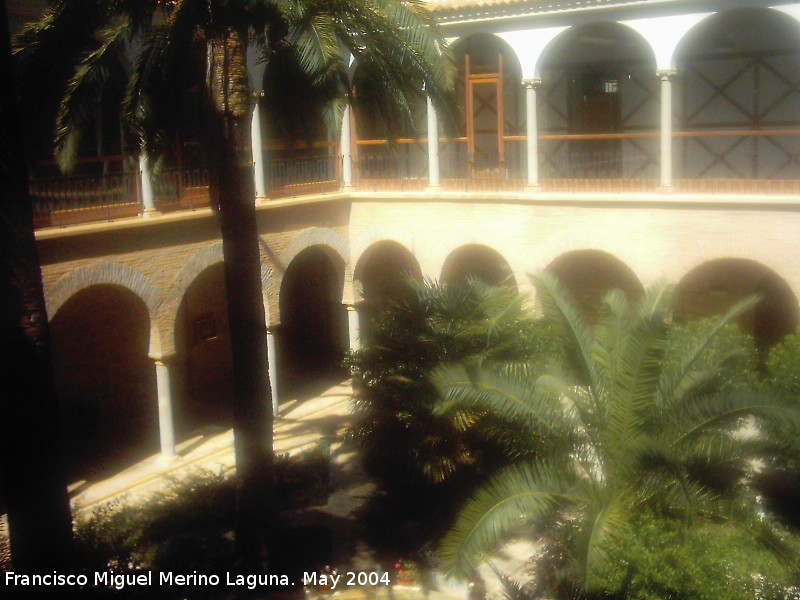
x,y
714,162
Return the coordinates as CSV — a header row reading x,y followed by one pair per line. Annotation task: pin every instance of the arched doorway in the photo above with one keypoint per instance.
x,y
202,339
313,334
383,271
105,380
481,262
590,274
713,287
737,75
599,92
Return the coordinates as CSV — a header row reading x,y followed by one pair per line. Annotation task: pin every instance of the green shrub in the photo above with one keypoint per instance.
x,y
783,366
661,558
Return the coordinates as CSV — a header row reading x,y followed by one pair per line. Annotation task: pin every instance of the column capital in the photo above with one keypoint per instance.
x,y
666,74
163,361
532,82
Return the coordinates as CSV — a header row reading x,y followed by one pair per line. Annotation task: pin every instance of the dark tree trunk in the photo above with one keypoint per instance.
x,y
233,195
31,481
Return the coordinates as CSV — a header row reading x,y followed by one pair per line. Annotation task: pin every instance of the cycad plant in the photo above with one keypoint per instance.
x,y
178,50
639,432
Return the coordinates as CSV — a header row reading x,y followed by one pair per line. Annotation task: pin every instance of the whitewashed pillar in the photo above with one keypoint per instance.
x,y
272,357
532,133
666,77
347,151
433,147
354,327
258,150
148,196
166,424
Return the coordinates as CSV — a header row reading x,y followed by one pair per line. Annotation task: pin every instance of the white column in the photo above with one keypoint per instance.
x,y
258,150
272,357
532,133
166,425
666,128
433,147
347,152
354,327
148,196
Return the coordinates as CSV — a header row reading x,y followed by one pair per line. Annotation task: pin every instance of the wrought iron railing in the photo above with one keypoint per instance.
x,y
295,177
181,189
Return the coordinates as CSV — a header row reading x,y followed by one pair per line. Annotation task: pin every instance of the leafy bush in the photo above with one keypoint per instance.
x,y
659,558
424,461
427,324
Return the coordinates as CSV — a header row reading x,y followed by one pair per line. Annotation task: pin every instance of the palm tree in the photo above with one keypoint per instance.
x,y
32,484
640,432
182,46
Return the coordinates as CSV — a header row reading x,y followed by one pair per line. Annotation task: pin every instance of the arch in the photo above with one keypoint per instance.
x,y
313,236
389,253
104,379
113,273
590,274
529,45
713,286
477,260
196,264
203,380
599,78
737,72
493,106
313,333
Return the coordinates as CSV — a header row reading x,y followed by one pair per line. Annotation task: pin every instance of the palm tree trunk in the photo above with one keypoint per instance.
x,y
40,524
233,196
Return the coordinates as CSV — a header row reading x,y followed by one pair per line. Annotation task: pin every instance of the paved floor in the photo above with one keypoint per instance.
x,y
302,425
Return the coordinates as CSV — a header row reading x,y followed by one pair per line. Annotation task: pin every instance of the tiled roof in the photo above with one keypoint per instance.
x,y
528,5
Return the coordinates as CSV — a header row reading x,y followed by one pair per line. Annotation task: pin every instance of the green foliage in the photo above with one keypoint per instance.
x,y
730,359
425,325
779,483
425,460
783,366
659,558
632,429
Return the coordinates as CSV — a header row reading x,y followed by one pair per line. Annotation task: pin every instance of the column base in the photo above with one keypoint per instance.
x,y
168,459
665,189
261,199
151,212
347,187
434,188
532,188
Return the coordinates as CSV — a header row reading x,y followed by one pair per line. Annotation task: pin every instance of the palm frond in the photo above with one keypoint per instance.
x,y
676,383
516,495
505,395
79,105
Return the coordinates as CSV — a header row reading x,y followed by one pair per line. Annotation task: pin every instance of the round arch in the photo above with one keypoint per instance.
x,y
590,274
313,333
714,286
109,272
199,262
477,260
599,79
104,379
313,236
737,73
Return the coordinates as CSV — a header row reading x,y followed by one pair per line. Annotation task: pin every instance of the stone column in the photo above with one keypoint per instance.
x,y
532,133
272,357
258,150
666,76
166,425
433,147
347,151
148,196
354,327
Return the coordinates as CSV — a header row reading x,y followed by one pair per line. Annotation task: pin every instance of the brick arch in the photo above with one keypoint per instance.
x,y
109,272
314,236
191,270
